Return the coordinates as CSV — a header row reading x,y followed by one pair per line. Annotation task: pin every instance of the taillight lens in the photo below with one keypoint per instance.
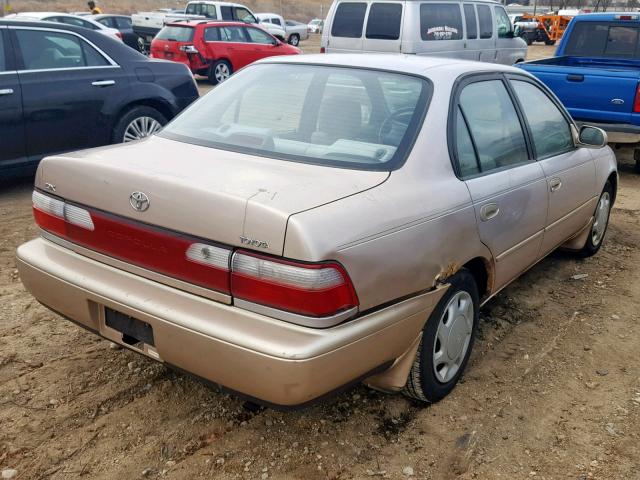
x,y
316,290
119,35
323,50
636,101
189,49
175,255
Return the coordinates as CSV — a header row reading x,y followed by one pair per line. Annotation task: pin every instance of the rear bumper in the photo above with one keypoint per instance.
x,y
266,359
617,132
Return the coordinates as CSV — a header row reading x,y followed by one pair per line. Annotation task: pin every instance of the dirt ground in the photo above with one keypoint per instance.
x,y
552,390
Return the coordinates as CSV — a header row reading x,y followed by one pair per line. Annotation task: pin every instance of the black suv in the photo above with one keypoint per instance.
x,y
65,88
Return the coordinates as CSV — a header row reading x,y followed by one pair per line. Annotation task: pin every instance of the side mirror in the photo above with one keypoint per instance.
x,y
591,137
510,34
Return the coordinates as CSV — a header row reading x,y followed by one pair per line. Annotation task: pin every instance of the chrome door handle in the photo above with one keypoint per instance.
x,y
489,211
6,91
103,83
555,184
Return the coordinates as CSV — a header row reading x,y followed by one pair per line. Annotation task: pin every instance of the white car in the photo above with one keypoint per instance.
x,y
315,26
67,19
278,27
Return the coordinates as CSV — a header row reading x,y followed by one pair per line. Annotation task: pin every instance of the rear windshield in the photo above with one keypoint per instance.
x,y
603,39
346,117
176,34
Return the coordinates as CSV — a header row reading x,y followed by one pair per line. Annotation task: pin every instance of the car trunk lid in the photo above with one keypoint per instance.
x,y
227,197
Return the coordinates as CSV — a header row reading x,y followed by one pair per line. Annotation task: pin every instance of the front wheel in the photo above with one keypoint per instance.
x,y
138,123
600,222
220,71
294,39
447,341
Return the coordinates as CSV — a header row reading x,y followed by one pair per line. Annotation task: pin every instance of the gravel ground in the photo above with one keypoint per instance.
x,y
552,390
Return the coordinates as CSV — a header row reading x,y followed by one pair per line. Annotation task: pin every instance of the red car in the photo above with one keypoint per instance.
x,y
216,49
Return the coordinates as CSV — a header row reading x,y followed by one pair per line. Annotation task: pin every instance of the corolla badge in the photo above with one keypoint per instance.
x,y
252,242
139,201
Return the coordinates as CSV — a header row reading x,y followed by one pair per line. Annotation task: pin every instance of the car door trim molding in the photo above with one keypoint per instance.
x,y
112,63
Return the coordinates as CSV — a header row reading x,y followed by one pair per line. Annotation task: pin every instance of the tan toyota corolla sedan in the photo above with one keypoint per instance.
x,y
321,220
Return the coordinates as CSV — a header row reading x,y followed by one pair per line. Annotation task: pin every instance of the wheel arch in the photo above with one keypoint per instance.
x,y
613,179
482,271
156,103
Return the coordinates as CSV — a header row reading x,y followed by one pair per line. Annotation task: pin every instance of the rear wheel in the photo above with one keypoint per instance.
x,y
138,123
220,71
600,222
294,39
447,340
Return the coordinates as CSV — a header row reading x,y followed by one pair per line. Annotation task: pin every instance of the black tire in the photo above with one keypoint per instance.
x,y
422,383
215,78
593,244
636,157
137,112
549,42
294,39
527,37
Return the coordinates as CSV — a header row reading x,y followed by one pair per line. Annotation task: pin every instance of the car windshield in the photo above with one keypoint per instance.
x,y
176,34
339,116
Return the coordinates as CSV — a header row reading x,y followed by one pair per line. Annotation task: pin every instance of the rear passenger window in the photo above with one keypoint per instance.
x,y
44,50
549,128
227,13
348,20
233,34
493,128
214,34
440,21
470,21
384,21
486,22
123,23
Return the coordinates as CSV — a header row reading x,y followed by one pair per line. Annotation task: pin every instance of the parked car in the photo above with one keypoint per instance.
x,y
315,26
292,32
216,49
66,88
355,237
123,24
85,22
471,30
147,25
596,74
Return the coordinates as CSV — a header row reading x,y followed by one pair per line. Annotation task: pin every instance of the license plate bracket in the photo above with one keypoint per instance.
x,y
133,331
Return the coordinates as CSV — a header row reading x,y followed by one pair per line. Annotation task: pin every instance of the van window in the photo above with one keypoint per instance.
x,y
348,20
384,21
440,21
470,21
486,22
504,24
203,9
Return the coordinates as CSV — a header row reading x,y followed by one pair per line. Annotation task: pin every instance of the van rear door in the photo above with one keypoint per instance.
x,y
346,32
383,31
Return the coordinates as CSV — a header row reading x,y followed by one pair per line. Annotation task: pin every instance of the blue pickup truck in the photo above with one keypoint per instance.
x,y
596,74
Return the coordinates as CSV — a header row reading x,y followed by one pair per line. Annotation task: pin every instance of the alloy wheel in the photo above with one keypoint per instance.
x,y
221,72
140,128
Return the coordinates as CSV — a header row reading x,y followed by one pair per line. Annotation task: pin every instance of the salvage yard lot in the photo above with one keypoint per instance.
x,y
552,389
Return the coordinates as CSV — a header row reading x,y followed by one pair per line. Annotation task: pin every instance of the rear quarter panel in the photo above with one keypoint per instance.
x,y
400,237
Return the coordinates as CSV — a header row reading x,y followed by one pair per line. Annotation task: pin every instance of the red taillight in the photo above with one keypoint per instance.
x,y
178,256
323,50
636,100
316,290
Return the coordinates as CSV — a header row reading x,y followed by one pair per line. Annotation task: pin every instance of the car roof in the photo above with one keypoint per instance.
x,y
226,4
267,14
411,64
105,15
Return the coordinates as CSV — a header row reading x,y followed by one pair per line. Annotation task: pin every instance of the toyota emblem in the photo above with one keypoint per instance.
x,y
139,201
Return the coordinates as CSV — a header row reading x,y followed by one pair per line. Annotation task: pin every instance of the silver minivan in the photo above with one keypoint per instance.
x,y
472,30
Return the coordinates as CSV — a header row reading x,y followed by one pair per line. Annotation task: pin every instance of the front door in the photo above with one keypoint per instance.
x,y
12,149
569,171
66,82
508,187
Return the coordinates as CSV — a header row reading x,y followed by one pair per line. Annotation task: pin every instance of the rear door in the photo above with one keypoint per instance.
x,y
384,27
66,82
507,186
12,149
472,43
347,29
241,51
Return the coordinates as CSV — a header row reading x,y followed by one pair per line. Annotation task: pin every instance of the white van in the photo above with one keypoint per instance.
x,y
472,30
